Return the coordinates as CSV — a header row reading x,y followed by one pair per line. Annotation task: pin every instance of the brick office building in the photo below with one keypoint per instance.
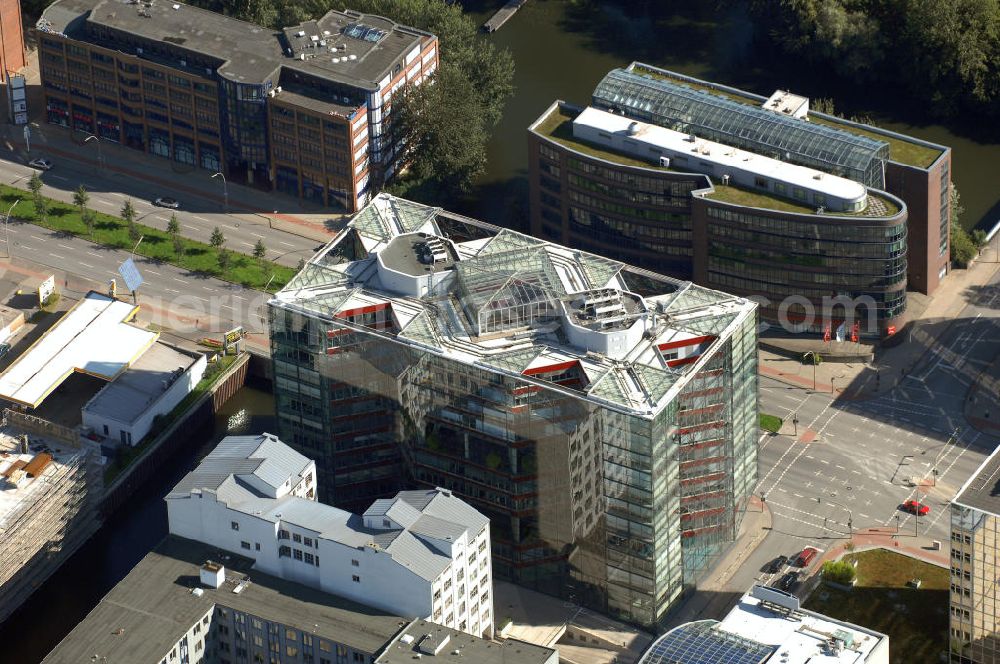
x,y
301,111
11,38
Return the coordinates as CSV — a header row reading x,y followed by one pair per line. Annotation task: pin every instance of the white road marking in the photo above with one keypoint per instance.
x,y
64,246
151,271
40,239
285,243
85,265
257,234
26,247
62,258
201,218
59,177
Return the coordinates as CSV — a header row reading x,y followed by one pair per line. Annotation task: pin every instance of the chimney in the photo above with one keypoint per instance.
x,y
212,574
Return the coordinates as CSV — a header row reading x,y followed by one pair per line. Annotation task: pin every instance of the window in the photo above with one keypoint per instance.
x,y
307,541
296,537
386,523
355,563
308,558
256,546
234,525
296,554
760,182
355,578
245,545
282,534
284,551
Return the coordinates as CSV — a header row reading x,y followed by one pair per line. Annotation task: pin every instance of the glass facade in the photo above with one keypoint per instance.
x,y
590,497
645,95
974,599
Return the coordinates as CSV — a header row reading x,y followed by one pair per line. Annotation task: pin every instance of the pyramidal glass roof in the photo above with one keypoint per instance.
x,y
680,107
703,643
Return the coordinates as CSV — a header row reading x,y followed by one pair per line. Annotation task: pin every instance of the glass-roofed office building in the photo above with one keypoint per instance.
x,y
671,103
602,416
751,195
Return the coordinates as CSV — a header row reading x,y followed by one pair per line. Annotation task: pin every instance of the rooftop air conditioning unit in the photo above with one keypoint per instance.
x,y
665,162
725,178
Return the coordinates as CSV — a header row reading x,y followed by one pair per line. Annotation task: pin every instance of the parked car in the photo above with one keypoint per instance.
x,y
806,556
916,507
775,565
167,202
4,349
788,580
40,164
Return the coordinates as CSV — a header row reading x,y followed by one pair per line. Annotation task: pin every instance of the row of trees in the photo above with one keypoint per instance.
x,y
445,126
943,52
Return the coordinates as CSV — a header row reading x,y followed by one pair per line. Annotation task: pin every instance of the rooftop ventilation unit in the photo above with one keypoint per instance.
x,y
665,162
300,33
725,178
633,128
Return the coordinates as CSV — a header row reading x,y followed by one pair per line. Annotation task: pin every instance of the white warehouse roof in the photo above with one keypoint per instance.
x,y
94,337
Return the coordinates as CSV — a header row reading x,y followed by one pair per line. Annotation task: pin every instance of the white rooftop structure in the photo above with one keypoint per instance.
x,y
786,103
255,496
725,163
766,626
94,337
515,304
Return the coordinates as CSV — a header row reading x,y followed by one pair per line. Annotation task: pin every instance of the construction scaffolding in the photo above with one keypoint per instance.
x,y
43,519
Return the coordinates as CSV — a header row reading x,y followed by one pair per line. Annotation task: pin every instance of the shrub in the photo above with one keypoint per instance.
x,y
840,571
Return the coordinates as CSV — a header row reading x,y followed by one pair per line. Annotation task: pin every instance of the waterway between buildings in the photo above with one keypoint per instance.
x,y
76,588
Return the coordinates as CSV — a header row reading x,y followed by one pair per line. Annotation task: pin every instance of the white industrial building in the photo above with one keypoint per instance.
x,y
768,626
143,377
422,554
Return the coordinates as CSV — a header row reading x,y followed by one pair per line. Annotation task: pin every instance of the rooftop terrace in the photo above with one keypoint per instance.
x,y
501,306
557,125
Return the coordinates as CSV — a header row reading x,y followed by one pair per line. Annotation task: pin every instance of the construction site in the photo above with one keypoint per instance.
x,y
49,491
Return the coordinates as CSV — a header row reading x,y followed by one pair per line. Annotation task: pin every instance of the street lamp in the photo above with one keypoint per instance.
x,y
100,155
850,515
6,225
225,190
795,422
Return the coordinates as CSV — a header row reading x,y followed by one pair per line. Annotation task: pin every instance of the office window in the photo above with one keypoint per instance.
x,y
355,563
355,578
296,537
307,541
308,558
234,525
296,554
245,545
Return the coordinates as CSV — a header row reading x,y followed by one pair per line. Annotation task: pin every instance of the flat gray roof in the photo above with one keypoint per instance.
x,y
982,490
129,395
470,649
403,254
154,607
248,53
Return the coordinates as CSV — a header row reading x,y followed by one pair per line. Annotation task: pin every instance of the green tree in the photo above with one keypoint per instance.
x,y
41,208
840,571
178,245
128,212
88,221
218,239
133,231
35,185
81,198
224,260
259,251
174,225
963,247
435,145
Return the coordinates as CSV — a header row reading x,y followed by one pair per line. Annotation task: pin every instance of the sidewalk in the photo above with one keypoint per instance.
x,y
858,380
712,599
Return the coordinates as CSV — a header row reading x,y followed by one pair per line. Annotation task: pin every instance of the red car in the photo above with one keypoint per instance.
x,y
916,507
806,556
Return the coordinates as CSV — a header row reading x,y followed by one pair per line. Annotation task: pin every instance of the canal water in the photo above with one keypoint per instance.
x,y
76,588
562,49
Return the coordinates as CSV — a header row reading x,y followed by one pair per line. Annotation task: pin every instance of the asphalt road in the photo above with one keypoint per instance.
x,y
108,191
858,461
189,304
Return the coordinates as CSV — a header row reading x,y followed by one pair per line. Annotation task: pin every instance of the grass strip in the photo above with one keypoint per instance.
x,y
111,231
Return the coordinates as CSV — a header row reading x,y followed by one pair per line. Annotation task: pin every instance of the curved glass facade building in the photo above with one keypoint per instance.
x,y
813,215
764,237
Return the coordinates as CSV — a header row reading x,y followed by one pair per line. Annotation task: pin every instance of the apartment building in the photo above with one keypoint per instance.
x,y
744,194
601,416
421,554
974,604
182,604
301,111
